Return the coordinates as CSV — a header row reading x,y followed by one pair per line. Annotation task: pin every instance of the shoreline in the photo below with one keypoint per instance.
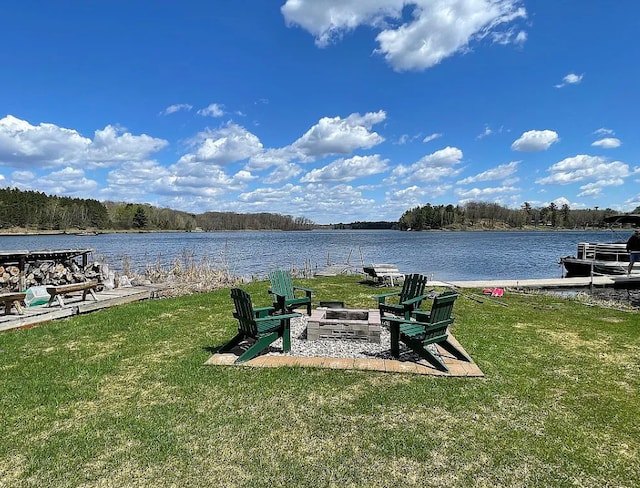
x,y
94,232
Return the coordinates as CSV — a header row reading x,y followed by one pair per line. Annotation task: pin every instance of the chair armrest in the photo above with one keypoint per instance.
x,y
279,317
381,298
263,311
307,291
421,315
301,288
398,320
411,301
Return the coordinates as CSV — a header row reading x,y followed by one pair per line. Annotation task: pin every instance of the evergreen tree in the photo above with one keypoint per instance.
x,y
140,218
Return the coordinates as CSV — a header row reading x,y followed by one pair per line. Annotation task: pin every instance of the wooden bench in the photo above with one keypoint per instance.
x,y
383,273
12,300
58,292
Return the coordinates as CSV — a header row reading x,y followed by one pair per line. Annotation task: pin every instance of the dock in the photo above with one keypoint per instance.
x,y
74,305
576,282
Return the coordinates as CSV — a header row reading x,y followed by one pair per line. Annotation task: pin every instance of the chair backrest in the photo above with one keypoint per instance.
x,y
442,307
412,287
244,312
281,283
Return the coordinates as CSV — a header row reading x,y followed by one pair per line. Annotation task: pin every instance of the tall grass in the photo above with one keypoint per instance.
x,y
121,398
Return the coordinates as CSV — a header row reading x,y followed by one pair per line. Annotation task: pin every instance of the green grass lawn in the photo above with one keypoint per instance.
x,y
121,398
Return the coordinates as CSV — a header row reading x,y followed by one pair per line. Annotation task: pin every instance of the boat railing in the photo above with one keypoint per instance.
x,y
602,252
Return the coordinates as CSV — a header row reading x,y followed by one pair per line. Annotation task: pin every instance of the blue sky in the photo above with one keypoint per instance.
x,y
335,110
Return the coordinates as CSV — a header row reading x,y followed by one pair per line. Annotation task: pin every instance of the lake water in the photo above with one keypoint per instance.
x,y
440,254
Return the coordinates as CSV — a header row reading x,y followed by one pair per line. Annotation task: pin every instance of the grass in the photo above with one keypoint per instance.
x,y
121,398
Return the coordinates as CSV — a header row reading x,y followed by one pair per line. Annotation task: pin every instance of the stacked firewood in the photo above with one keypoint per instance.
x,y
48,273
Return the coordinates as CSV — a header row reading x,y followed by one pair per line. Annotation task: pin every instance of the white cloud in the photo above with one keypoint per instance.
x,y
47,145
570,79
344,170
595,189
584,167
315,201
498,173
68,181
171,109
431,168
485,193
432,137
213,110
331,135
200,179
558,202
284,172
436,30
487,132
607,143
196,179
340,136
603,131
509,37
273,157
229,143
23,176
413,195
113,144
535,140
137,174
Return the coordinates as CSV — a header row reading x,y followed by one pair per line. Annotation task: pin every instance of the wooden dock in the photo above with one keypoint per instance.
x,y
74,305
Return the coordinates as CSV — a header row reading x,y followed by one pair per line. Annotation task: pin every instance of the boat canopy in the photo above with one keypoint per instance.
x,y
623,219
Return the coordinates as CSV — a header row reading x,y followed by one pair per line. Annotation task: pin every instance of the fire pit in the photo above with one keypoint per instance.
x,y
344,323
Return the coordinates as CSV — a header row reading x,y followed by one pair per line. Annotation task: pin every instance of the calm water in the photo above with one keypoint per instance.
x,y
445,255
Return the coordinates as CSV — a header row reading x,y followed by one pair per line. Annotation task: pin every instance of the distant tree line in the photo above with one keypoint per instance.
x,y
259,221
367,225
495,216
37,211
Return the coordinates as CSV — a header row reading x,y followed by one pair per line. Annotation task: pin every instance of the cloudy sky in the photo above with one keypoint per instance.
x,y
336,110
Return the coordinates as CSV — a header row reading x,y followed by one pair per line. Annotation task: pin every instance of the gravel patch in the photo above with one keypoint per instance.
x,y
340,348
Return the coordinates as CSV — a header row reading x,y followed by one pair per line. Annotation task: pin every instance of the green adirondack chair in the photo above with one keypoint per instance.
x,y
257,327
409,298
284,293
427,328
